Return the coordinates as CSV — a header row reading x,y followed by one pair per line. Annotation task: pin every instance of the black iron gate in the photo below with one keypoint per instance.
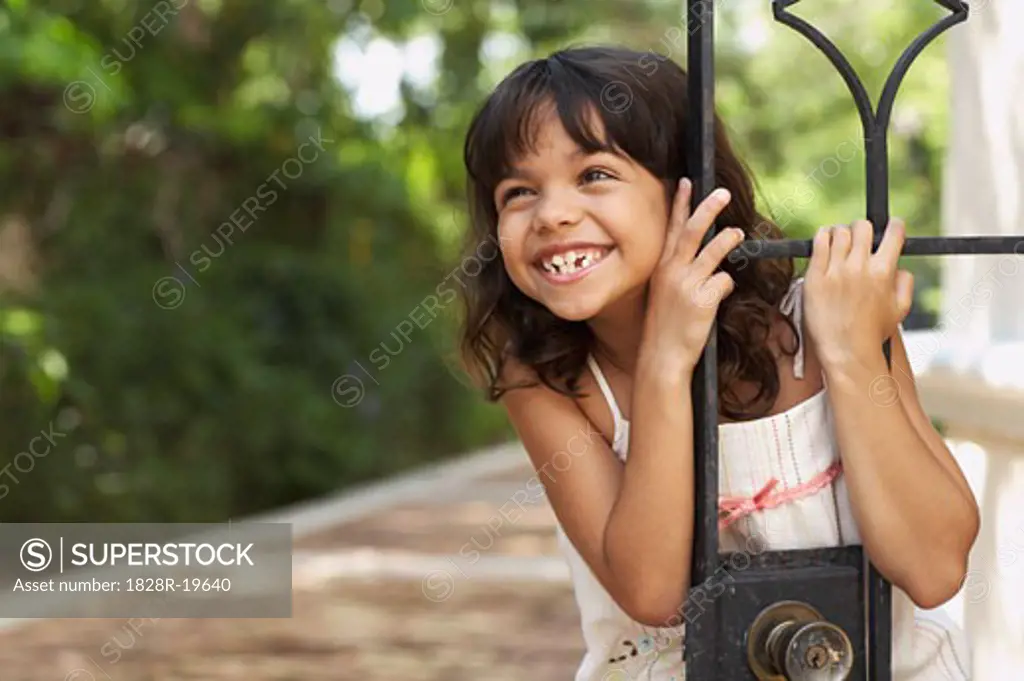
x,y
822,614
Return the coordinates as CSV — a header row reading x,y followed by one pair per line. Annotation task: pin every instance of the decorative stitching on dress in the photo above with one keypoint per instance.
x,y
792,450
939,656
621,658
778,452
926,626
731,509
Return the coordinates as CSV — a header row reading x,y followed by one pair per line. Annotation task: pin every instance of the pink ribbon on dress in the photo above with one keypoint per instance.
x,y
731,509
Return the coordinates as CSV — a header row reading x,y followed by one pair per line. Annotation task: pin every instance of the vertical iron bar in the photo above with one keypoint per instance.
x,y
877,166
699,653
878,594
878,591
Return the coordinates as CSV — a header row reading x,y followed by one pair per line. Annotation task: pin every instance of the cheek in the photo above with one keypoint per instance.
x,y
512,236
657,221
643,240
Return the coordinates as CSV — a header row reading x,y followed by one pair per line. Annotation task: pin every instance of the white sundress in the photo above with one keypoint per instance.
x,y
793,447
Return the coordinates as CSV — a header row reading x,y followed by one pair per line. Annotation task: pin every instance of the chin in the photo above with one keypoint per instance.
x,y
574,315
574,310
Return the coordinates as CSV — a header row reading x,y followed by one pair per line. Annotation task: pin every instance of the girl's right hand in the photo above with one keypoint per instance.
x,y
685,291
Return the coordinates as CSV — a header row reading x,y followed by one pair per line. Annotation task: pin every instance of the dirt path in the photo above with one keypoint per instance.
x,y
446,589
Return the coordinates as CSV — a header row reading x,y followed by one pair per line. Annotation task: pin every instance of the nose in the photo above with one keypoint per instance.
x,y
558,210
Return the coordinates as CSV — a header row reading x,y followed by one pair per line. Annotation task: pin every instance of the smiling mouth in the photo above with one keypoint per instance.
x,y
573,262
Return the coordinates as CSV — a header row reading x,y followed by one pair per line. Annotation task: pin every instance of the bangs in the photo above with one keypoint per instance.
x,y
507,127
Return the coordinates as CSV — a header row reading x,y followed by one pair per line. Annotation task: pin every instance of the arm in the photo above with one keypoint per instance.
x,y
614,514
633,523
917,515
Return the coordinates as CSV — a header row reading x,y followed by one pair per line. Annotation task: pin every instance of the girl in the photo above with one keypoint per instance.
x,y
589,327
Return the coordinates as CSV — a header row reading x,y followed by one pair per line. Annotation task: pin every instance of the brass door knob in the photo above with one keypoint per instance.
x,y
819,651
791,641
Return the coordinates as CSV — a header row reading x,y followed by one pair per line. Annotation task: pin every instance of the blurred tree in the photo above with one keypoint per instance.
x,y
205,243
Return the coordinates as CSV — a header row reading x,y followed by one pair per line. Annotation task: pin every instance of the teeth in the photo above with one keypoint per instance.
x,y
567,263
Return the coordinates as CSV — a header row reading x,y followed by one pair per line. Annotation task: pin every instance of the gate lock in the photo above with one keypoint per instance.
x,y
791,641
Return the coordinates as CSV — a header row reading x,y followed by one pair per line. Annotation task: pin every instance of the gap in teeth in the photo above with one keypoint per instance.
x,y
572,261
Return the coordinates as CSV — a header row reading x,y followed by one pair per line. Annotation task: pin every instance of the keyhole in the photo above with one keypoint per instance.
x,y
817,657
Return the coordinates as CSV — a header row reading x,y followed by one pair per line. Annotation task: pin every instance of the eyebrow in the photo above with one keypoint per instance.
x,y
516,173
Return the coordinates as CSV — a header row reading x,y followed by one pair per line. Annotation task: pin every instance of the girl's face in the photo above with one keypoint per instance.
x,y
579,231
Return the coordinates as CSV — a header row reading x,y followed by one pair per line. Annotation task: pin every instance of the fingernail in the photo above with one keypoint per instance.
x,y
721,194
684,183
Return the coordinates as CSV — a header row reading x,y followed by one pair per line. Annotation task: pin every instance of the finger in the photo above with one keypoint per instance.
x,y
678,218
710,292
863,235
904,292
888,253
700,222
839,249
819,252
712,255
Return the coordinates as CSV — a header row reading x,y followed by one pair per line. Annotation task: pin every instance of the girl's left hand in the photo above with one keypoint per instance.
x,y
854,300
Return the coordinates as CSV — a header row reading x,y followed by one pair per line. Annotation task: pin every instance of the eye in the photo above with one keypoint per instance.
x,y
512,193
594,174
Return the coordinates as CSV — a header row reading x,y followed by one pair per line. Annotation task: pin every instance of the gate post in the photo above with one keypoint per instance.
x,y
804,614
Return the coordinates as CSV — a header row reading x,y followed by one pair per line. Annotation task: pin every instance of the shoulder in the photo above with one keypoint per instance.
x,y
580,474
533,405
526,397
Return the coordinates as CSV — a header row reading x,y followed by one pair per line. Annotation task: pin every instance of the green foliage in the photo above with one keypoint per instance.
x,y
216,239
186,363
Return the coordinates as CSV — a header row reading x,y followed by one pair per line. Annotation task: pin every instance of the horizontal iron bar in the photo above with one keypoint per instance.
x,y
922,245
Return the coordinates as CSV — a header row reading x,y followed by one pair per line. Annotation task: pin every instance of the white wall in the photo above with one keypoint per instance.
x,y
975,381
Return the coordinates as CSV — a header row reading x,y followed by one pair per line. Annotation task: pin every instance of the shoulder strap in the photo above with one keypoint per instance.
x,y
595,368
793,306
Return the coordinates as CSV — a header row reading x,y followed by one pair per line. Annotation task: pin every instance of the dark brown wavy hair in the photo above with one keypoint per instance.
x,y
642,100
